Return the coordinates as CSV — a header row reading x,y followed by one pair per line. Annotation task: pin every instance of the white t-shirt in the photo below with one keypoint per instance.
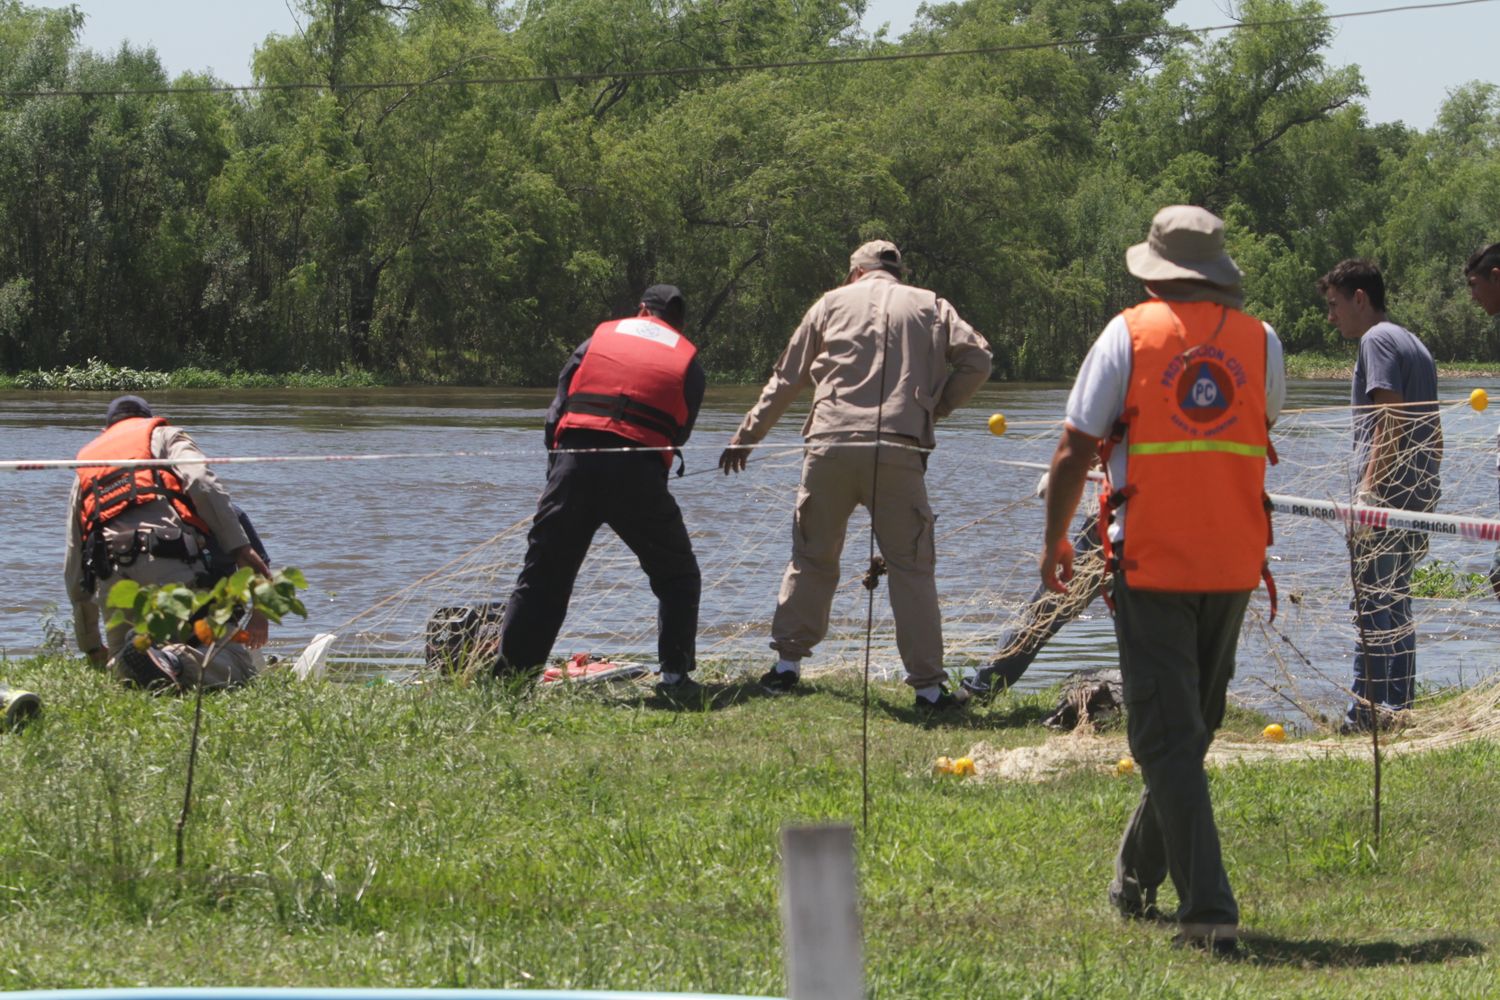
x,y
1098,396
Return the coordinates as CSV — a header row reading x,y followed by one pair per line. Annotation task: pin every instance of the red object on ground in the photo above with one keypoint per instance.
x,y
583,668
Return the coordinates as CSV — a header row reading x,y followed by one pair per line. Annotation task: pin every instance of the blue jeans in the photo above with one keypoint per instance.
x,y
1385,653
1045,614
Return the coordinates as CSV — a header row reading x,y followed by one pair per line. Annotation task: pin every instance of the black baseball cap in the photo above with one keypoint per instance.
x,y
665,301
126,406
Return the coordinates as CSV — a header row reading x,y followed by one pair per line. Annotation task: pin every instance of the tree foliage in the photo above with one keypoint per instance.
x,y
441,230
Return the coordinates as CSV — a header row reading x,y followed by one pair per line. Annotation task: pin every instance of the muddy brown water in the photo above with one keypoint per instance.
x,y
362,531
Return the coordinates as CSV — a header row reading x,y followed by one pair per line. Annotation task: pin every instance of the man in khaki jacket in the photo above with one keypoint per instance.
x,y
149,542
886,361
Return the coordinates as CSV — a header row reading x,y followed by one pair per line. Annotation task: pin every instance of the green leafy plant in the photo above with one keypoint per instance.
x,y
173,612
1443,579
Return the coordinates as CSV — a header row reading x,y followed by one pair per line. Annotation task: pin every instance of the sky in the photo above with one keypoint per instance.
x,y
1410,60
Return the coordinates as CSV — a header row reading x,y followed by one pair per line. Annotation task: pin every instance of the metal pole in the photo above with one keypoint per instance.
x,y
820,914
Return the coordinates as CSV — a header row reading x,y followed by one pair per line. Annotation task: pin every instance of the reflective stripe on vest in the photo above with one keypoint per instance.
x,y
1178,447
630,383
107,491
1197,442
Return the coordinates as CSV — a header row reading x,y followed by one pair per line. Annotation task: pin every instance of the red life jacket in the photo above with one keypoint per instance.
x,y
630,383
1198,520
107,492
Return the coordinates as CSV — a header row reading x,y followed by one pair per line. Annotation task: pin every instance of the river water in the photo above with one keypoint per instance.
x,y
366,532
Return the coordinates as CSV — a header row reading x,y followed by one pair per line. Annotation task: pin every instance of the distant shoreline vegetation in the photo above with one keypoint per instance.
x,y
1317,365
100,376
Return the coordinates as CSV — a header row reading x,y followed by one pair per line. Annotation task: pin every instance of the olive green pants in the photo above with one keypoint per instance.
x,y
1176,659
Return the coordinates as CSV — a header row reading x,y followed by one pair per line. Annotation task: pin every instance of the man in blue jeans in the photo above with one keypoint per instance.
x,y
1045,614
1398,447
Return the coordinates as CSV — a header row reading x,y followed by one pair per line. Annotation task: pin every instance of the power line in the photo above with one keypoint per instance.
x,y
685,71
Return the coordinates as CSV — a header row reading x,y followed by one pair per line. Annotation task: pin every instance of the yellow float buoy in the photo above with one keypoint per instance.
x,y
997,424
1478,399
1274,732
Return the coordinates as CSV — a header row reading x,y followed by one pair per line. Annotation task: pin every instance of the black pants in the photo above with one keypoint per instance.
x,y
627,491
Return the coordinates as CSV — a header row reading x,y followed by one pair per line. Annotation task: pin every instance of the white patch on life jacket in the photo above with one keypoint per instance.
x,y
648,330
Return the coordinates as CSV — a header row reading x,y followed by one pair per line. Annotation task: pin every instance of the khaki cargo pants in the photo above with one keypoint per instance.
x,y
834,481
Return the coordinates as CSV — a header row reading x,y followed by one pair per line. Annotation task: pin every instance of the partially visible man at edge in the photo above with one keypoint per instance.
x,y
1482,274
1398,448
154,525
1177,396
887,361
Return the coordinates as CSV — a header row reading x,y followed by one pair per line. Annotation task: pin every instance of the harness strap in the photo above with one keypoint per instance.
x,y
122,488
624,408
1111,498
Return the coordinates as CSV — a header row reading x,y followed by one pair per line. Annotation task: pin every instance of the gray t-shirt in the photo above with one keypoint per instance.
x,y
1098,396
1392,358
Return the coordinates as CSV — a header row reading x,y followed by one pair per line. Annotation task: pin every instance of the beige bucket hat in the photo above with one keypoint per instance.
x,y
876,254
1186,243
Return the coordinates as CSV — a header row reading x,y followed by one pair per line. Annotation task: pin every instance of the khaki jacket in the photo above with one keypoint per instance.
x,y
210,500
936,361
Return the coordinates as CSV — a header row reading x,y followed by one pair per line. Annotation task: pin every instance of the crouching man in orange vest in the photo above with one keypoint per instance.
x,y
154,525
1176,396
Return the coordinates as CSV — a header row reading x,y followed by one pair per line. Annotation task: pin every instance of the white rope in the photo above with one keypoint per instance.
x,y
48,464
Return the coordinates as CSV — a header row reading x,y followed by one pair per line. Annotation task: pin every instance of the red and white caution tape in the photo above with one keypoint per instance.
x,y
1479,529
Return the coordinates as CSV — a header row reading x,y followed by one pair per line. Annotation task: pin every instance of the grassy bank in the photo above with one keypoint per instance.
x,y
447,836
1341,366
97,376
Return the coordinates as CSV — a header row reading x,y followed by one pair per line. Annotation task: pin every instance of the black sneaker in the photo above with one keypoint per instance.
x,y
997,678
1211,944
946,701
148,668
1132,907
684,692
775,681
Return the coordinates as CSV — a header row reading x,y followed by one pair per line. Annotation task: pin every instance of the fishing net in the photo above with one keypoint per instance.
x,y
988,532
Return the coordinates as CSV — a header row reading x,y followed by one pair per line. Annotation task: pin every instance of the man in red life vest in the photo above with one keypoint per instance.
x,y
154,525
1177,394
626,399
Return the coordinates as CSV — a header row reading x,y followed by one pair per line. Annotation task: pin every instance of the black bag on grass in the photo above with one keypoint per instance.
x,y
462,640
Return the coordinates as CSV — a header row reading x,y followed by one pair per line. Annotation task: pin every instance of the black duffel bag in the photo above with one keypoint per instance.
x,y
464,640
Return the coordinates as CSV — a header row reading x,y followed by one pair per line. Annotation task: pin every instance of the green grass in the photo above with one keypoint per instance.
x,y
451,836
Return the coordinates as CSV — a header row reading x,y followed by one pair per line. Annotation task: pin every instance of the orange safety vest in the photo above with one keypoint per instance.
x,y
1195,468
630,383
107,491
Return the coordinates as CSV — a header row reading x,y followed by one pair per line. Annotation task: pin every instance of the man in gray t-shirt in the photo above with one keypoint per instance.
x,y
1392,361
1398,447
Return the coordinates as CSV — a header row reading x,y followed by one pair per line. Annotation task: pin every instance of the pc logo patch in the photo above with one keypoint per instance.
x,y
1205,391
